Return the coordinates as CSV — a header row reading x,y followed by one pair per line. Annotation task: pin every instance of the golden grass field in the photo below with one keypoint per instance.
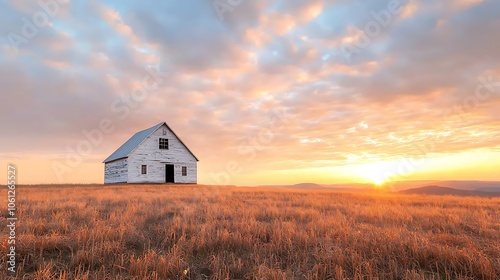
x,y
200,232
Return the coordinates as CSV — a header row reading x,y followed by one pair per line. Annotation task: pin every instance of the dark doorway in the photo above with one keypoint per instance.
x,y
169,173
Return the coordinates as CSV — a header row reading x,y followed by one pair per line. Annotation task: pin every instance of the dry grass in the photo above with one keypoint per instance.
x,y
197,232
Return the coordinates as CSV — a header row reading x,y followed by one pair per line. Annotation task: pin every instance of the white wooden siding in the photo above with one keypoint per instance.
x,y
116,171
148,153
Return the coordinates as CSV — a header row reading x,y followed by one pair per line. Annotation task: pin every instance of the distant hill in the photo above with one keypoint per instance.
x,y
350,187
489,189
469,185
302,186
462,188
437,190
309,186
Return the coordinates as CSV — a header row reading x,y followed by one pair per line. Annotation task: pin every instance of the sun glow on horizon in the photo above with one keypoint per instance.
x,y
376,178
378,181
440,166
374,173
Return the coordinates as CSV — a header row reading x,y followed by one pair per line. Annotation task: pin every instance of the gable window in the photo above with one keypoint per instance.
x,y
184,171
163,144
144,169
164,132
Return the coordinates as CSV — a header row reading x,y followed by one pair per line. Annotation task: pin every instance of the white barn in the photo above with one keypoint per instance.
x,y
154,155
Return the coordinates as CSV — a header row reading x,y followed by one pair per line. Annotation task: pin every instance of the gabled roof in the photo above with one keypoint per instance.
x,y
132,143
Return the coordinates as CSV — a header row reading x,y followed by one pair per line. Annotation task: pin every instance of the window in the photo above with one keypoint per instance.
x,y
184,171
144,169
164,132
163,144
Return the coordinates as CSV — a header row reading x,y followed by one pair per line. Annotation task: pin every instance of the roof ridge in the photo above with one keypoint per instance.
x,y
126,148
133,142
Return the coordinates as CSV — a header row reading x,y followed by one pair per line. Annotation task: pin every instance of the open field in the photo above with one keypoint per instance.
x,y
199,232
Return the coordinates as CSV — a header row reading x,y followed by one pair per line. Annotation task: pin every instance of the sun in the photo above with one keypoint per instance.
x,y
375,178
374,174
378,181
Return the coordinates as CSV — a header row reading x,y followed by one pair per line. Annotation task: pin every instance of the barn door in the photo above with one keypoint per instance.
x,y
169,173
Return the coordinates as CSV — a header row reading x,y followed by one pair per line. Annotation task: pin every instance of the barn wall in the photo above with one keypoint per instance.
x,y
148,153
191,173
116,171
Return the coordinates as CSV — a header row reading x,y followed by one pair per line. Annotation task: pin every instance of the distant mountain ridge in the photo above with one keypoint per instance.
x,y
437,190
486,187
469,185
302,186
489,189
354,187
308,186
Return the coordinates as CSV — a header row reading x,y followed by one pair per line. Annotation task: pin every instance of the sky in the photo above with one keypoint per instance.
x,y
263,92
